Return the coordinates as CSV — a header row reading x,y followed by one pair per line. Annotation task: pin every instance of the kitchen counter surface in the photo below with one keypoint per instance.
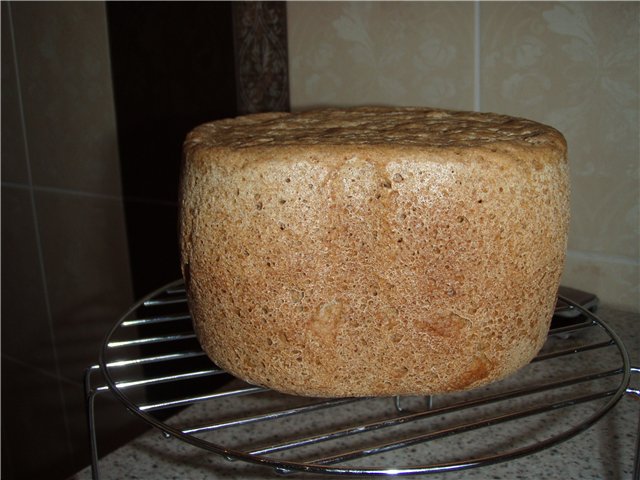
x,y
604,451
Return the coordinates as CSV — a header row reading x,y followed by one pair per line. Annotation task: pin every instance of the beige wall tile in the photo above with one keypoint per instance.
x,y
576,66
615,280
64,71
397,53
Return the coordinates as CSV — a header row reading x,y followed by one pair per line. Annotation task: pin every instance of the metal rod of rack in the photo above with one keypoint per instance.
x,y
269,416
337,463
464,427
456,407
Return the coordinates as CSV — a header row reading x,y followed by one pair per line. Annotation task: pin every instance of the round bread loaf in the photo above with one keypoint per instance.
x,y
373,251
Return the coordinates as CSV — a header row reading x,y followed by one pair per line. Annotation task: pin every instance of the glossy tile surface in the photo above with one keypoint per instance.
x,y
26,328
33,413
14,161
63,60
87,273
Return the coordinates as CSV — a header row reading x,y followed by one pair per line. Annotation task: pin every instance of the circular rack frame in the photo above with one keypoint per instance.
x,y
148,314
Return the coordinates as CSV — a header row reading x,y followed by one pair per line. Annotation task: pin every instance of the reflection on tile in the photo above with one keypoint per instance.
x,y
65,78
400,53
25,326
14,162
87,271
32,411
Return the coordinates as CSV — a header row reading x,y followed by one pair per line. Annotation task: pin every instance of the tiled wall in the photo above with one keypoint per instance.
x,y
97,99
572,65
65,264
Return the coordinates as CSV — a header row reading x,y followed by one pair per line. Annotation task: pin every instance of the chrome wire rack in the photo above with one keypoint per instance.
x,y
152,362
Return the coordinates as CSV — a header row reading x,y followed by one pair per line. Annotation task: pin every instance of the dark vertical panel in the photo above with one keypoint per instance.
x,y
262,66
173,68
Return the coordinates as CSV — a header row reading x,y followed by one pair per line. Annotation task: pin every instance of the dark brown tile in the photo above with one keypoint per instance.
x,y
87,272
26,333
63,59
33,417
14,160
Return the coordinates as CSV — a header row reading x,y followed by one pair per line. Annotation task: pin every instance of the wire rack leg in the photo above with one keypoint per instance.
x,y
90,396
636,463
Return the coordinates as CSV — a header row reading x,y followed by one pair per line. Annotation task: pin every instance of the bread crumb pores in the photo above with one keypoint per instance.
x,y
373,251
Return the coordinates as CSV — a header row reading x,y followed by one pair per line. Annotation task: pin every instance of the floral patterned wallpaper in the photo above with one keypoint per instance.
x,y
260,46
353,53
573,65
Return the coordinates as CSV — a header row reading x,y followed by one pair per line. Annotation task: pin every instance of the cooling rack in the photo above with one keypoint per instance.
x,y
151,361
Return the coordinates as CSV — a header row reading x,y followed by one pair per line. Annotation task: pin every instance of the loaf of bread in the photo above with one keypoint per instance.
x,y
373,251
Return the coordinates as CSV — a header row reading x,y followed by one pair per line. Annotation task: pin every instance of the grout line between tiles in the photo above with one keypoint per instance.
x,y
42,371
34,211
80,193
64,191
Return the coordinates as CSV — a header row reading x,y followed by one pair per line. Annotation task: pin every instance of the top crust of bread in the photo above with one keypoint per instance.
x,y
374,127
373,251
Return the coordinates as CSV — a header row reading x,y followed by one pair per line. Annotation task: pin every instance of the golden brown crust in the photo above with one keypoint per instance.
x,y
373,251
379,126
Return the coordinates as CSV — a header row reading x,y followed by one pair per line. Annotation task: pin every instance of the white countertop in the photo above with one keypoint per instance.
x,y
604,451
